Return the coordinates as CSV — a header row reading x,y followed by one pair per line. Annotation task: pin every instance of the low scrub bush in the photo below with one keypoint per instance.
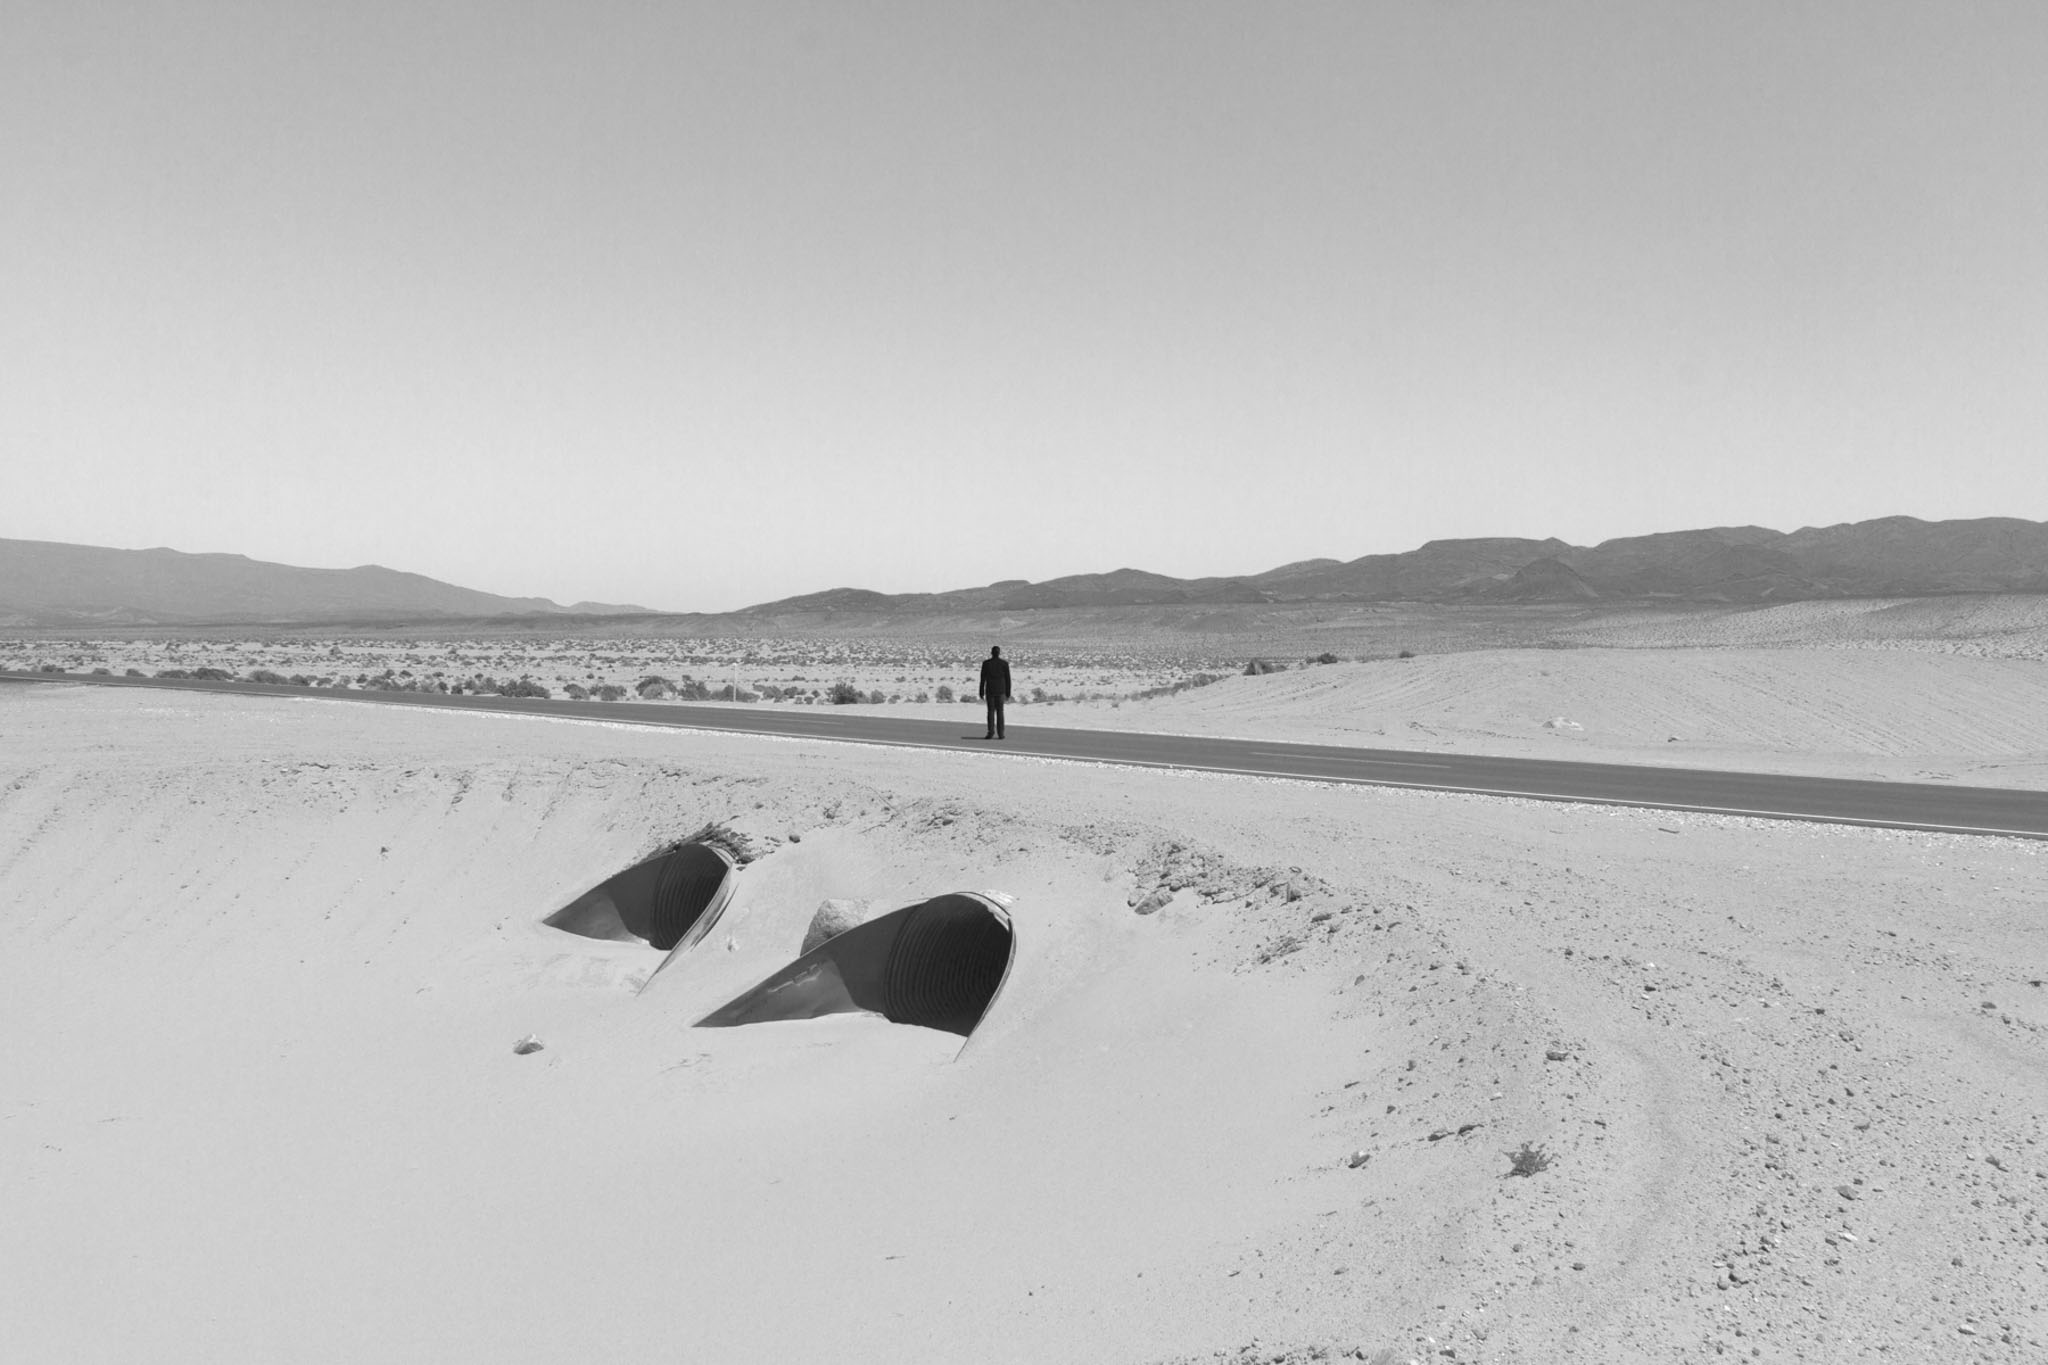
x,y
1260,667
845,694
265,675
1169,689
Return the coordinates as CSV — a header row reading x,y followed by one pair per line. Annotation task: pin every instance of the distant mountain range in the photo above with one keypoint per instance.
x,y
45,583
1889,557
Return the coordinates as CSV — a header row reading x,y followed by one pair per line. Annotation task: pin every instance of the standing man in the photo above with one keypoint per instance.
x,y
994,689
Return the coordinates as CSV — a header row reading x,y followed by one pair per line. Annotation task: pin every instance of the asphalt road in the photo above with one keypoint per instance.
x,y
1901,805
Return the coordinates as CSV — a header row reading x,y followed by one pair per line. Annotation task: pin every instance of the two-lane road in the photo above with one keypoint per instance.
x,y
1905,805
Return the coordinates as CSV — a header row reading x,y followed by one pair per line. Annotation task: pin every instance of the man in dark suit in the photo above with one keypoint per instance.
x,y
994,689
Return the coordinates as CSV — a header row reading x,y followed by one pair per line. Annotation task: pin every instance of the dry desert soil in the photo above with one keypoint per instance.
x,y
267,960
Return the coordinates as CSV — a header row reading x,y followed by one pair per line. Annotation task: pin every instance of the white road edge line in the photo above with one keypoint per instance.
x,y
1867,822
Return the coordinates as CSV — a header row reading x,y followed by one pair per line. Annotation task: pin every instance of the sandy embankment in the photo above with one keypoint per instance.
x,y
267,960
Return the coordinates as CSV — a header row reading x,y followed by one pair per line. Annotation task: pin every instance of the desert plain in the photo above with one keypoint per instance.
x,y
1383,1074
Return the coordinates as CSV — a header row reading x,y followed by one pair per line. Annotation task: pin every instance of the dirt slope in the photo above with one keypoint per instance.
x,y
267,960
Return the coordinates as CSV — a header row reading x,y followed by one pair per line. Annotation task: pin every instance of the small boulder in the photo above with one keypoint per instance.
x,y
833,918
528,1044
1155,902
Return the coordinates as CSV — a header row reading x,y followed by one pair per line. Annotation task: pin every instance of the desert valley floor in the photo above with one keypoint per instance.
x,y
268,958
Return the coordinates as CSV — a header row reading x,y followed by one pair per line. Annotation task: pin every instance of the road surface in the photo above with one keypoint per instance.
x,y
1900,805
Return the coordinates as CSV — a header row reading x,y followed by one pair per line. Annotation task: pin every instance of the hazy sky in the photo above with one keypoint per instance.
x,y
701,305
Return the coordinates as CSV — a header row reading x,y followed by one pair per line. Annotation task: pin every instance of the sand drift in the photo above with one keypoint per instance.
x,y
937,964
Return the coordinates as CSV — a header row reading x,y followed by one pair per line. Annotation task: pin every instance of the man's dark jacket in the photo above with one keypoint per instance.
x,y
995,680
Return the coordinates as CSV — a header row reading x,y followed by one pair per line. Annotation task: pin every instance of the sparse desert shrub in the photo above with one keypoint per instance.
x,y
1038,694
768,691
692,690
1260,667
301,680
134,673
944,693
525,687
265,675
655,688
845,694
1405,654
1529,1160
924,696
213,674
576,692
1324,658
1169,689
608,692
876,698
103,673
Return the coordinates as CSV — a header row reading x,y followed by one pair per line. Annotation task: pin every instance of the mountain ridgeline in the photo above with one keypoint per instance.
x,y
1889,557
47,583
44,583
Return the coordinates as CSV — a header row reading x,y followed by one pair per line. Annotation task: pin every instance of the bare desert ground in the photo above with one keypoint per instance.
x,y
267,960
1905,715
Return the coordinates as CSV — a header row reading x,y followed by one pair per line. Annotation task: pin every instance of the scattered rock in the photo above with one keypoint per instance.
x,y
1154,903
528,1044
1357,1159
1556,1055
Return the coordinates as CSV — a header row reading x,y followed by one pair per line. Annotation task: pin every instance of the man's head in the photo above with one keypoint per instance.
x,y
995,651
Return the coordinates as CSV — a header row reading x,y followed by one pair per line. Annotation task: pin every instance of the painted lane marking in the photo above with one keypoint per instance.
x,y
1352,758
976,746
1870,822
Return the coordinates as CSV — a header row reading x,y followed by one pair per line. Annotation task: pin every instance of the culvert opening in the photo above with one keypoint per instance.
x,y
938,964
678,893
